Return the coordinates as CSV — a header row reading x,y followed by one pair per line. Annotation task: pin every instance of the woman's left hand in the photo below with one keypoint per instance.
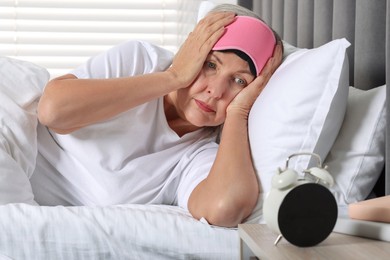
x,y
244,101
191,56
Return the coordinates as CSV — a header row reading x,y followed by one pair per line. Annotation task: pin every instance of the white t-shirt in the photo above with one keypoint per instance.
x,y
134,157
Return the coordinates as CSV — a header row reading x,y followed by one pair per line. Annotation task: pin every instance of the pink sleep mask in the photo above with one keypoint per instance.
x,y
251,36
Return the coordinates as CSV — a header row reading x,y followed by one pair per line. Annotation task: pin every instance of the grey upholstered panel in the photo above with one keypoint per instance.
x,y
370,40
277,14
290,22
305,30
388,98
344,26
364,23
323,21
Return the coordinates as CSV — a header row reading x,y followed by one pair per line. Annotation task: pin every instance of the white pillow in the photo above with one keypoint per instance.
x,y
21,84
300,110
357,156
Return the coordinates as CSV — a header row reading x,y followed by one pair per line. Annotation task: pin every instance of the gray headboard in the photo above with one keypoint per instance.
x,y
364,23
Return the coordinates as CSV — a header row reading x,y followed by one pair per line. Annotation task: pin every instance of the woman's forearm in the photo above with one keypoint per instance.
x,y
230,192
69,103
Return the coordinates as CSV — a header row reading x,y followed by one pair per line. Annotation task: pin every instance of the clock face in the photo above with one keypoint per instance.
x,y
307,215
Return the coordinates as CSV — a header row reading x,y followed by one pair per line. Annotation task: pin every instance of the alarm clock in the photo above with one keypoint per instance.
x,y
301,209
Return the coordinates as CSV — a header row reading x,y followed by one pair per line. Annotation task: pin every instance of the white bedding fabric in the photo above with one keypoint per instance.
x,y
21,84
133,231
116,232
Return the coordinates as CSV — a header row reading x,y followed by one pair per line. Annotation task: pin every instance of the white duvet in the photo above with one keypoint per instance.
x,y
116,232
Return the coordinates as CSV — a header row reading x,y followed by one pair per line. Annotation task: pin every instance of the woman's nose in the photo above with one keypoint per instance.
x,y
216,87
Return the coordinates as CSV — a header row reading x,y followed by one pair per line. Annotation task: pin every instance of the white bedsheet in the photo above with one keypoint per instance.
x,y
116,232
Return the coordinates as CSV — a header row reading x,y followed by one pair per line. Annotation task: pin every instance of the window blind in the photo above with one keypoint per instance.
x,y
61,34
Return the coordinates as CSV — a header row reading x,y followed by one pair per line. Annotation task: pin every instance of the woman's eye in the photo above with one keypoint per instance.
x,y
211,65
240,81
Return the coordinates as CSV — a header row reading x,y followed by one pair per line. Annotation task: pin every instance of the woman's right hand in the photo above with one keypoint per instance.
x,y
192,54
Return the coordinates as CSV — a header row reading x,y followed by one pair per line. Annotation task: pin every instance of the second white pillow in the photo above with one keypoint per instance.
x,y
357,157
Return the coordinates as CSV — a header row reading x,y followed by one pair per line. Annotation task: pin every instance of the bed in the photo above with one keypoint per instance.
x,y
340,47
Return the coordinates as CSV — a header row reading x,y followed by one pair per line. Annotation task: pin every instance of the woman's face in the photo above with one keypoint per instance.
x,y
222,77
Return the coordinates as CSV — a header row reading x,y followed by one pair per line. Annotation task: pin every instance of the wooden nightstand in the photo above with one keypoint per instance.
x,y
260,240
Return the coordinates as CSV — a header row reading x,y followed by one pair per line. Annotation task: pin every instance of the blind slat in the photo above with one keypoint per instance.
x,y
72,14
79,38
102,27
94,4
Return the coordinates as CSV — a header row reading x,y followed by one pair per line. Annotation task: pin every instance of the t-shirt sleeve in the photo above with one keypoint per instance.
x,y
195,172
126,59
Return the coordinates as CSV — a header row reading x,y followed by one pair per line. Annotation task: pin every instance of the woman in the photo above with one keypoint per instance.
x,y
134,126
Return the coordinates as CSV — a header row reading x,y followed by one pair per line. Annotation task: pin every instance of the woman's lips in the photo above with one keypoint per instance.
x,y
203,106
